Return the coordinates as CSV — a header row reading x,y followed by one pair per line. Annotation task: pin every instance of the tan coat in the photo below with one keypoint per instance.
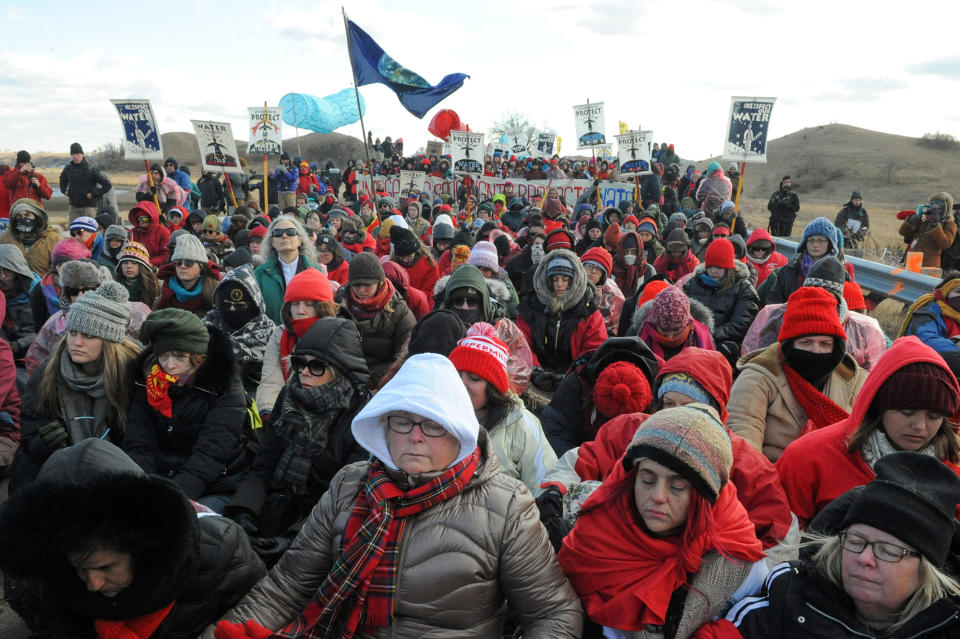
x,y
461,562
38,255
763,409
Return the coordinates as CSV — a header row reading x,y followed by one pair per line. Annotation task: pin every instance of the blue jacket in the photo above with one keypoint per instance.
x,y
927,323
182,180
287,180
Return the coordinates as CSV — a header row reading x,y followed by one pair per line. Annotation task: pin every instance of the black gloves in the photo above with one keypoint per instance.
x,y
550,503
53,435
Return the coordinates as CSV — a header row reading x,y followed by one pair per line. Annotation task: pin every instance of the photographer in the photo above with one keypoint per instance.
x,y
287,178
783,207
931,229
24,182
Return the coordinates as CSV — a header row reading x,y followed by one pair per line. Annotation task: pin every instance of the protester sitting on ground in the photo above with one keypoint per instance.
x,y
418,303
533,251
135,273
598,264
695,375
803,382
86,231
214,240
484,256
308,439
762,253
664,542
678,260
17,282
148,231
935,319
819,239
188,408
424,441
9,401
932,229
98,548
904,587
82,389
671,321
515,433
189,279
115,237
384,319
238,311
702,235
910,401
630,263
30,233
288,252
330,256
409,252
45,298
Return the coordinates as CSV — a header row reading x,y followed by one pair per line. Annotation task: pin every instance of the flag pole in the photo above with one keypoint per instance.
x,y
363,128
736,204
266,169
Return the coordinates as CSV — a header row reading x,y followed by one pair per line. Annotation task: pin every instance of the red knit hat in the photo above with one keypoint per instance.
x,y
558,239
620,389
600,256
719,253
309,285
632,218
811,310
611,237
257,232
853,295
483,353
651,290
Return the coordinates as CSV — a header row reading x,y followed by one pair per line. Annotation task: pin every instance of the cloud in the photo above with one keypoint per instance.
x,y
753,7
617,17
842,96
873,85
948,67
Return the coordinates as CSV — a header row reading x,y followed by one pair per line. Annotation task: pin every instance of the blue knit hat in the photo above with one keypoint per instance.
x,y
824,228
85,223
714,166
685,384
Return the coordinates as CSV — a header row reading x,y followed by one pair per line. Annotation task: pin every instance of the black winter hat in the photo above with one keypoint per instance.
x,y
22,156
365,268
828,273
914,498
437,332
404,241
76,148
463,237
171,160
336,341
284,156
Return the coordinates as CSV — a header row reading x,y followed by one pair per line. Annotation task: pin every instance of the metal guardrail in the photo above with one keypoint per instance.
x,y
892,281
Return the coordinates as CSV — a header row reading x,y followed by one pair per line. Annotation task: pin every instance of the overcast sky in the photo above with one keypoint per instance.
x,y
666,66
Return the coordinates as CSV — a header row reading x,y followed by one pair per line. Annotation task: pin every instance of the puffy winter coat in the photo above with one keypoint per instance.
x,y
383,336
763,409
38,252
935,330
733,307
83,184
199,446
522,447
199,562
423,275
155,239
20,186
460,562
929,239
9,399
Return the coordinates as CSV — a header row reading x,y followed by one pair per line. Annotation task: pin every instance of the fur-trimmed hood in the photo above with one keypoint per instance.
x,y
742,271
495,288
215,375
495,293
578,287
698,311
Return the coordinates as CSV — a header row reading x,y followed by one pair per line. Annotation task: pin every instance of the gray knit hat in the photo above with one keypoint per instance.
x,y
176,235
189,248
115,232
79,274
101,313
365,268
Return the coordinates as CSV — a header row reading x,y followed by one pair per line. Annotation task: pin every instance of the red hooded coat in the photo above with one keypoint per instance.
x,y
776,260
156,239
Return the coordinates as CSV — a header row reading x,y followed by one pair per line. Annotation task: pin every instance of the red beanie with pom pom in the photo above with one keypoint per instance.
x,y
622,388
483,353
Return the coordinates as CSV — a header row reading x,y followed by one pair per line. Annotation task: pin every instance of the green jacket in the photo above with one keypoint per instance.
x,y
269,278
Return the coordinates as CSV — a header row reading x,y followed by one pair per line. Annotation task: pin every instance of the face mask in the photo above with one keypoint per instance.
x,y
536,253
469,316
813,366
25,225
630,260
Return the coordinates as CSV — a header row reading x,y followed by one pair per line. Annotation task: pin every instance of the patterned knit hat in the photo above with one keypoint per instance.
x,y
599,257
189,248
67,250
828,273
685,384
922,386
484,255
670,310
174,329
102,313
365,269
853,295
620,389
689,440
719,253
483,353
134,252
84,223
459,255
811,310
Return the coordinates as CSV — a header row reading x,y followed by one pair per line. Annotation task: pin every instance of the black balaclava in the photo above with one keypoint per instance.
x,y
236,319
814,367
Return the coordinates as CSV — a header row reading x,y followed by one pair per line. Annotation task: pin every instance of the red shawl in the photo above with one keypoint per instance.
x,y
138,628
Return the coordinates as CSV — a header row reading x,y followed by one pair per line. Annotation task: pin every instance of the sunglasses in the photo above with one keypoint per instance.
x,y
237,306
290,232
69,291
316,367
470,303
184,263
143,219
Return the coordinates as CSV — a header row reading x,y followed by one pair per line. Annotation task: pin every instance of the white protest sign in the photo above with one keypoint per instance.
x,y
141,137
605,152
589,125
218,149
466,151
747,129
434,148
412,180
517,141
633,149
265,130
545,141
500,146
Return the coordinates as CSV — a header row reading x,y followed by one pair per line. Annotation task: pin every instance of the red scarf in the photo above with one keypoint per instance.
x,y
380,299
820,409
624,577
158,390
138,628
289,341
360,589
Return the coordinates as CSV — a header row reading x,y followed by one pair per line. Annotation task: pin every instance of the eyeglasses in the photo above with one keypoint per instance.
x,y
184,263
403,425
316,367
884,551
69,291
324,251
289,232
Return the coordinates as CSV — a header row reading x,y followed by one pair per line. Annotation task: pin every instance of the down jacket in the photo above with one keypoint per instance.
x,y
733,308
522,447
930,238
763,409
493,536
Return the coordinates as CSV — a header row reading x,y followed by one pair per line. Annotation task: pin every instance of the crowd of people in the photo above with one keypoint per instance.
x,y
359,415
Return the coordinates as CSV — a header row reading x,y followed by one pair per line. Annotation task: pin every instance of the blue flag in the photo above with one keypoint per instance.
x,y
371,65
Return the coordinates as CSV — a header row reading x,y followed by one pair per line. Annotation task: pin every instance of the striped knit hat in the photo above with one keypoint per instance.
x,y
689,440
685,384
483,353
134,252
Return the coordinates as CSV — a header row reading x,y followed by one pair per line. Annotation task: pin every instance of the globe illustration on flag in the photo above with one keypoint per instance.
x,y
398,74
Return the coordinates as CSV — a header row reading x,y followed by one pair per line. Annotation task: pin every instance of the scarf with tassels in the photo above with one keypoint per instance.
x,y
940,297
138,628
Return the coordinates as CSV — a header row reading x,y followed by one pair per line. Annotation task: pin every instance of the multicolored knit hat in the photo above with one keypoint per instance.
x,y
811,310
459,255
685,384
484,255
483,353
84,223
670,310
621,388
135,252
689,440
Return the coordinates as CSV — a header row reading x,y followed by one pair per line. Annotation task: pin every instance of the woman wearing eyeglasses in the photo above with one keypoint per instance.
x,y
308,438
287,250
330,254
428,538
188,407
189,279
886,569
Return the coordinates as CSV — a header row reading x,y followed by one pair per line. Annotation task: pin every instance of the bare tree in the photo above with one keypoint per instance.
x,y
890,168
108,156
512,121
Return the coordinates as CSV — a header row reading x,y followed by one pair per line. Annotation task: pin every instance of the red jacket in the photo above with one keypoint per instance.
x,y
368,243
9,397
340,275
416,299
307,180
19,186
676,270
5,200
817,468
156,239
775,261
423,275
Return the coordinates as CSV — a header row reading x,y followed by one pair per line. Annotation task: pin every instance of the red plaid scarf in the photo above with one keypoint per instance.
x,y
360,590
820,409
